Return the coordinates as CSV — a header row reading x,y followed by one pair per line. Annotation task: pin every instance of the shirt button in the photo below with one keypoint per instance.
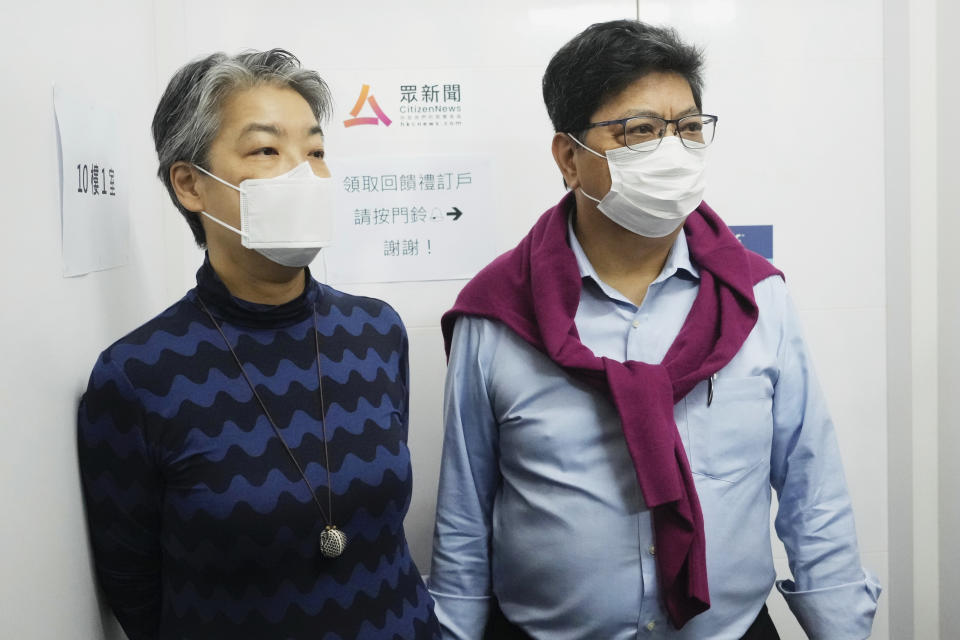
x,y
651,625
652,550
636,323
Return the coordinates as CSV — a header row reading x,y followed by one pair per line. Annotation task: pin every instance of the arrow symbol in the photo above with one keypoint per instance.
x,y
456,213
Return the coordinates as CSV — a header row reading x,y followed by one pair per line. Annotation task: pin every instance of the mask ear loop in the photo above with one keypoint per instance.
x,y
224,224
323,263
220,180
584,146
235,188
585,194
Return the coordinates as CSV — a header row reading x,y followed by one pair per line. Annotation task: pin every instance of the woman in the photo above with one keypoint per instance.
x,y
243,454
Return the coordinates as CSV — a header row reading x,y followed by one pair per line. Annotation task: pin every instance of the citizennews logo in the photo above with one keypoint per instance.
x,y
367,97
421,105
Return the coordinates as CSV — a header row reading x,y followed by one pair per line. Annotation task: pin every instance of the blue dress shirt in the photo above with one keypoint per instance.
x,y
539,503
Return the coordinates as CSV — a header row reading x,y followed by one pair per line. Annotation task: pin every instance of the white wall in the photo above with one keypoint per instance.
x,y
819,182
923,313
948,270
923,203
51,328
900,590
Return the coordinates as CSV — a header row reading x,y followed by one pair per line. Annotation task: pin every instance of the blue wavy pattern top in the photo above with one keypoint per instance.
x,y
201,525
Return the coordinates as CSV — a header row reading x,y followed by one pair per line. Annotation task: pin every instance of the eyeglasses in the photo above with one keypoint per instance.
x,y
644,133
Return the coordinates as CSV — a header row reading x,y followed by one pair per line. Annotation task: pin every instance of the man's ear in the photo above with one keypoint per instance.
x,y
564,148
186,184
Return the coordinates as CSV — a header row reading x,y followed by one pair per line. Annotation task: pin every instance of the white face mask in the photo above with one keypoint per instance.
x,y
286,219
652,193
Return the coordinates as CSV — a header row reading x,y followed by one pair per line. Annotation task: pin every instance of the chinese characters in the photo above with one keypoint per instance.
x,y
96,180
409,247
442,181
430,105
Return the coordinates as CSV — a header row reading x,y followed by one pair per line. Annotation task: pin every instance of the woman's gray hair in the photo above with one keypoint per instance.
x,y
187,119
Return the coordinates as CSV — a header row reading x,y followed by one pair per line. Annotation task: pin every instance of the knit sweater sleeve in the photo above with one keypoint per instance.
x,y
122,492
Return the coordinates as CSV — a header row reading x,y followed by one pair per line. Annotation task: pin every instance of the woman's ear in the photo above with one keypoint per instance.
x,y
186,184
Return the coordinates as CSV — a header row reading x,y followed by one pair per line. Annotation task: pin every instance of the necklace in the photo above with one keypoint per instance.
x,y
332,540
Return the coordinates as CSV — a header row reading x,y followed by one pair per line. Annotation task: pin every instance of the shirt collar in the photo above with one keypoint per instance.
x,y
251,314
677,260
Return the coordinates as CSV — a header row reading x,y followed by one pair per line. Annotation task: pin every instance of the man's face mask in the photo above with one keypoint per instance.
x,y
652,193
286,219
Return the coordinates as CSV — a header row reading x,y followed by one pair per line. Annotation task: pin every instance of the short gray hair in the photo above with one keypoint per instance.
x,y
187,119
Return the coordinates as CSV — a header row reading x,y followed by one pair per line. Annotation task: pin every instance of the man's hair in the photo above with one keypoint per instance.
x,y
188,117
604,59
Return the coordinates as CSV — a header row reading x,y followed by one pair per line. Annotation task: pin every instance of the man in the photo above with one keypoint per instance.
x,y
243,454
625,387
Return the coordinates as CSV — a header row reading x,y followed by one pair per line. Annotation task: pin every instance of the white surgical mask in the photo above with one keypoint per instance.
x,y
652,193
286,219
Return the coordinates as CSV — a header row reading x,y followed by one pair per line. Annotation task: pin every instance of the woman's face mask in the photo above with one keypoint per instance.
x,y
286,219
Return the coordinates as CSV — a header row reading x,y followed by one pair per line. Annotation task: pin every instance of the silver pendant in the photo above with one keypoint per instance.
x,y
332,542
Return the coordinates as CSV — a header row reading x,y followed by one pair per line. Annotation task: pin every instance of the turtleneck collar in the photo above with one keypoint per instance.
x,y
231,309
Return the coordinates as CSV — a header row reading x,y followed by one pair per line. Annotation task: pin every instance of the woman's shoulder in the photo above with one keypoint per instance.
x,y
355,311
151,339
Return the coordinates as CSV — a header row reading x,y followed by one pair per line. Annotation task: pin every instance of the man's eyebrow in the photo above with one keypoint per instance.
x,y
647,112
641,112
315,130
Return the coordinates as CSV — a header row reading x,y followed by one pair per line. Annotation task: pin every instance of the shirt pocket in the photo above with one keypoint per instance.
x,y
734,434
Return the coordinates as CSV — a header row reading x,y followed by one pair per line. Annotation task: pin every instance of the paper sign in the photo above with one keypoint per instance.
x,y
412,218
756,237
93,185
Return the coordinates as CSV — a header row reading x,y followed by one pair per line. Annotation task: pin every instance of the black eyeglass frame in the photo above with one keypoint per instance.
x,y
666,123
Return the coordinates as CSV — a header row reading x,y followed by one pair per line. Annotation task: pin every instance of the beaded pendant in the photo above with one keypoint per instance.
x,y
332,541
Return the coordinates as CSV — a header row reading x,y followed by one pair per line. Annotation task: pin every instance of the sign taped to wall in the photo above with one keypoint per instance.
x,y
93,185
425,217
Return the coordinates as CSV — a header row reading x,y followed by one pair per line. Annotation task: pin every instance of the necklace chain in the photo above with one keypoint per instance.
x,y
276,429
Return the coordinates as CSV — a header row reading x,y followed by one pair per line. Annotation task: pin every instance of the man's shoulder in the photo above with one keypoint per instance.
x,y
770,288
773,303
487,339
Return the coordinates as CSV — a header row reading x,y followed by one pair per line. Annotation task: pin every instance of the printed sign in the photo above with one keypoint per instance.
x,y
411,218
93,186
